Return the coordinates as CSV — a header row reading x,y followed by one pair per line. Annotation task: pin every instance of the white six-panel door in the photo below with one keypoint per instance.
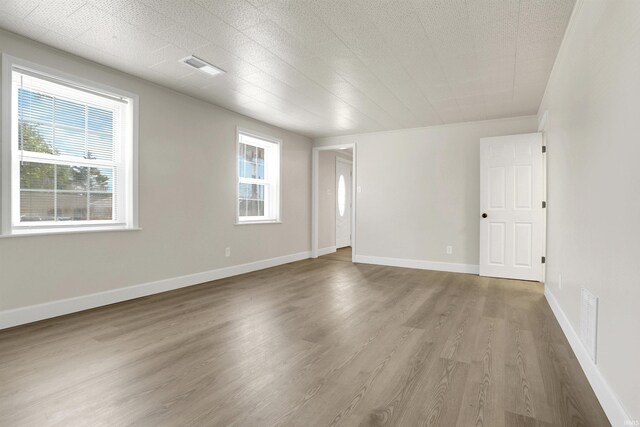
x,y
343,203
511,212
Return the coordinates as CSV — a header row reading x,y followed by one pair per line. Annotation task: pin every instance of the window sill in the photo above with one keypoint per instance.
x,y
257,222
50,232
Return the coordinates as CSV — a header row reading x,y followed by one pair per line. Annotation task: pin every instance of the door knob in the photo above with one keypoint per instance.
x,y
484,215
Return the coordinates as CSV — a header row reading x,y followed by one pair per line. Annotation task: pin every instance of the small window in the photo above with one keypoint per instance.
x,y
258,178
71,162
342,195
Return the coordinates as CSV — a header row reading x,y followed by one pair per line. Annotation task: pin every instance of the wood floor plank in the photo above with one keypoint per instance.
x,y
389,403
517,420
315,342
483,401
525,392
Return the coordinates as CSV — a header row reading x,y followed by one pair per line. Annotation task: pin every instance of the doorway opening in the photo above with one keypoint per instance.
x,y
333,200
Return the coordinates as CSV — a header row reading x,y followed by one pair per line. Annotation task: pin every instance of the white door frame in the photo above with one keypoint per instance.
x,y
315,166
542,128
350,163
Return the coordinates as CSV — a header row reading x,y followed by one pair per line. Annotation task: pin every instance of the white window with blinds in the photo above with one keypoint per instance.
x,y
258,181
70,153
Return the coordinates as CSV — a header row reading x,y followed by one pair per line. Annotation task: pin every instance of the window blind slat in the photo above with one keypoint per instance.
x,y
41,79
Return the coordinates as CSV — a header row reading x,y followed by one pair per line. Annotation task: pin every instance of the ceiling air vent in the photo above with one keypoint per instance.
x,y
200,65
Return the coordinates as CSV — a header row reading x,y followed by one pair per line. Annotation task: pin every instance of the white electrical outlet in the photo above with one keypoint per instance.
x,y
227,251
449,250
359,189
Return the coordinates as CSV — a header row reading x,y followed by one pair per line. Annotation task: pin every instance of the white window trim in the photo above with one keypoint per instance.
x,y
7,168
278,178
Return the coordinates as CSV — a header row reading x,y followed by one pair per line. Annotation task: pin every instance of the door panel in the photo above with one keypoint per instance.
x,y
522,244
523,187
497,188
511,190
496,243
343,203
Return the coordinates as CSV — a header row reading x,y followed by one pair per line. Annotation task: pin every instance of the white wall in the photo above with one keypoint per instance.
x,y
593,136
421,191
187,200
327,197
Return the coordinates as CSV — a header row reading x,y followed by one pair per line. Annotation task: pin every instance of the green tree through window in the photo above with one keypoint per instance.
x,y
56,178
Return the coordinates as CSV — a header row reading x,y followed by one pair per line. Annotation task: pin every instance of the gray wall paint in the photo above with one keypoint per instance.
x,y
594,210
187,200
420,189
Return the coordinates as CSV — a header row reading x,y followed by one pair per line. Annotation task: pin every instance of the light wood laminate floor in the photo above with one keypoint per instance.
x,y
342,254
313,343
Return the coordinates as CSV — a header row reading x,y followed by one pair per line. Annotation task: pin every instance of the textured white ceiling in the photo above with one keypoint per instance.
x,y
321,67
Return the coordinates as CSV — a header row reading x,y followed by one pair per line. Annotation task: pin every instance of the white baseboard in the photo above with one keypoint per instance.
x,y
23,315
419,264
327,250
610,403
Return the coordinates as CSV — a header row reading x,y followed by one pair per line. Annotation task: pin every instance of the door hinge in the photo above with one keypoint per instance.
x,y
544,260
544,148
544,204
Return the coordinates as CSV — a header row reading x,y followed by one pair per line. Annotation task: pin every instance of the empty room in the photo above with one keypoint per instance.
x,y
319,213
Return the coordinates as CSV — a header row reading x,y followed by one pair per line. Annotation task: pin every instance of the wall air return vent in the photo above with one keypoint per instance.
x,y
589,322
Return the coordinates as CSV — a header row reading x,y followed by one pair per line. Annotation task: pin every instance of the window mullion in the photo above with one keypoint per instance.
x,y
266,200
257,181
53,125
86,131
88,202
55,192
86,153
30,156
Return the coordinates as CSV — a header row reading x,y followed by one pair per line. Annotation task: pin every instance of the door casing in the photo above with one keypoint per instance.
x,y
315,155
